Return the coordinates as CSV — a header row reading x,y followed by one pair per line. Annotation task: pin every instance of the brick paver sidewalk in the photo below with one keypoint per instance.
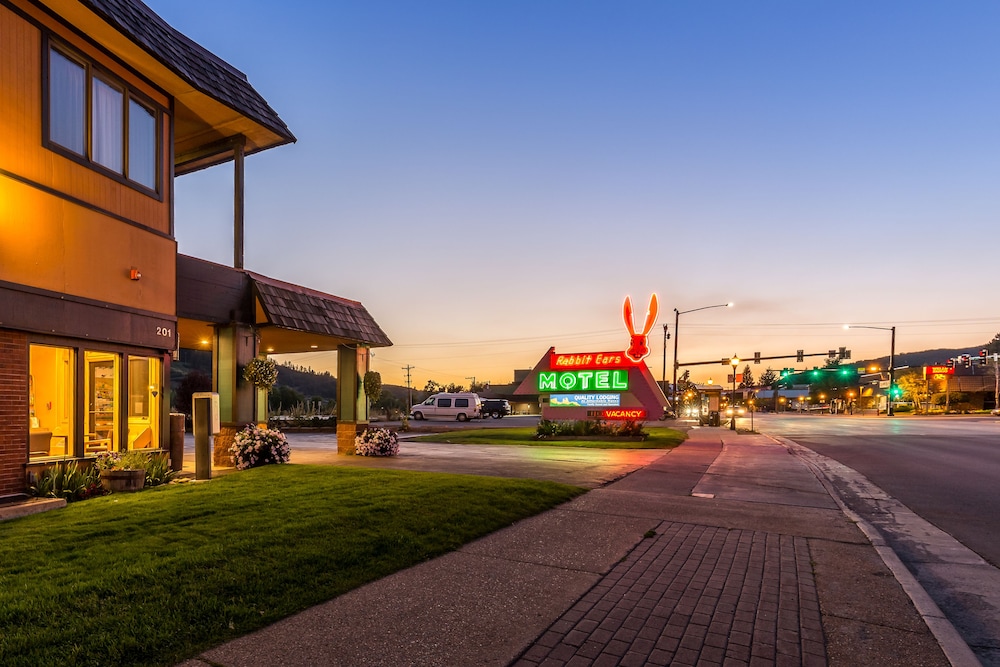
x,y
695,595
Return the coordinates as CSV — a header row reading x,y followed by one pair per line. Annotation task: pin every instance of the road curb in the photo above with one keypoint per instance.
x,y
955,649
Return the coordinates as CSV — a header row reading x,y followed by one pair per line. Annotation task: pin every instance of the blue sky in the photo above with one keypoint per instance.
x,y
492,178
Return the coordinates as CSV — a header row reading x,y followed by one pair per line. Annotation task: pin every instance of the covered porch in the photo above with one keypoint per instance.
x,y
239,315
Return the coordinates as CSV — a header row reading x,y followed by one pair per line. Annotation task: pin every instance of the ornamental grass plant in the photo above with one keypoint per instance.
x,y
157,577
71,481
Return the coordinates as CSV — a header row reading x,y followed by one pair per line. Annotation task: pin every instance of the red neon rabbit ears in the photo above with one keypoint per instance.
x,y
638,349
650,316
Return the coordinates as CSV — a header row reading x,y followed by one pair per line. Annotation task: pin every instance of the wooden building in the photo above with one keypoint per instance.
x,y
102,104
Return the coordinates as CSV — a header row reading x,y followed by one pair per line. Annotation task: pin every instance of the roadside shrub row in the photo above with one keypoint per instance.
x,y
590,427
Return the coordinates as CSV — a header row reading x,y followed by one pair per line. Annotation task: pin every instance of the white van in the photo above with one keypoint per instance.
x,y
462,407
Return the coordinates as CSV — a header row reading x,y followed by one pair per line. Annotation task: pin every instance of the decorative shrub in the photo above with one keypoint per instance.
x,y
546,429
376,442
631,428
589,427
255,446
66,480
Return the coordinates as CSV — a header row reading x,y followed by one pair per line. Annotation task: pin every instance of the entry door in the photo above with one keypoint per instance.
x,y
102,402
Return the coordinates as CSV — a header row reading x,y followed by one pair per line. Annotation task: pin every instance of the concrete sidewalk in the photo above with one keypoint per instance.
x,y
724,551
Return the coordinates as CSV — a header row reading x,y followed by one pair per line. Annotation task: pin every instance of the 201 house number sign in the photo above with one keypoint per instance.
x,y
165,332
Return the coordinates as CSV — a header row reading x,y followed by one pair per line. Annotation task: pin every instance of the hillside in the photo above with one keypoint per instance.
x,y
308,382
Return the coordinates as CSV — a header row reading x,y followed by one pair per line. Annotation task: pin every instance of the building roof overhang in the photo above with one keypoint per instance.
x,y
214,102
287,318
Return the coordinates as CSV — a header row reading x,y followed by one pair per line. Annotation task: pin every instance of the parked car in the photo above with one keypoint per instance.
x,y
498,408
460,406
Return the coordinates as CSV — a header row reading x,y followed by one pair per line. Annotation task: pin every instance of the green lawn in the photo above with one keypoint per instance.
x,y
158,576
659,438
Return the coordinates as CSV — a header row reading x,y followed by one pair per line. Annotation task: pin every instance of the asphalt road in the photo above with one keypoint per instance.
x,y
945,469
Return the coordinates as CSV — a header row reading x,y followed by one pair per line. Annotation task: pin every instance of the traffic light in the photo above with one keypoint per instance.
x,y
966,360
896,392
982,356
950,363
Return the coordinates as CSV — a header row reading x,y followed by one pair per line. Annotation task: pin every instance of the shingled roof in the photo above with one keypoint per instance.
x,y
301,309
202,69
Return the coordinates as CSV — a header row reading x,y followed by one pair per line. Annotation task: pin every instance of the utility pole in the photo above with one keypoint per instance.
x,y
663,380
409,392
996,377
473,378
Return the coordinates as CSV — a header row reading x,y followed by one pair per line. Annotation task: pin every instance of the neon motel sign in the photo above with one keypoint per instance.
x,y
583,380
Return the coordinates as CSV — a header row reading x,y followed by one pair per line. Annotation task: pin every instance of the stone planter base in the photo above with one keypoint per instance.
x,y
117,481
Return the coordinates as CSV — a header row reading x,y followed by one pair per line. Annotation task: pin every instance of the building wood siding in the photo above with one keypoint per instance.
x,y
212,293
64,226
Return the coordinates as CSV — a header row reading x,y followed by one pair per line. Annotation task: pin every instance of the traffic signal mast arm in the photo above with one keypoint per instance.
x,y
726,361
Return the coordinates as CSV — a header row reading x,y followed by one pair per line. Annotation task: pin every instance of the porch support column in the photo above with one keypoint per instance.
x,y
235,346
352,404
239,146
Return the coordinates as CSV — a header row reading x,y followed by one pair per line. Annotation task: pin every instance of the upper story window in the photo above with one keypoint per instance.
x,y
100,121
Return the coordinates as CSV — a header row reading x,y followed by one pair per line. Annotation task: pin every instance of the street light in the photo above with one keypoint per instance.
x,y
677,316
892,355
735,361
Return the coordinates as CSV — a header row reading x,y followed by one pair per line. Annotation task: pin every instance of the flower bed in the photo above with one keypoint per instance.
x,y
376,442
255,446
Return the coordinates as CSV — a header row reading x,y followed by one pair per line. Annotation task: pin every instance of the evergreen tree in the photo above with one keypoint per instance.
x,y
767,378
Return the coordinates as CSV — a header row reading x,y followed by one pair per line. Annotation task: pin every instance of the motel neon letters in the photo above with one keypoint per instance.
x,y
583,380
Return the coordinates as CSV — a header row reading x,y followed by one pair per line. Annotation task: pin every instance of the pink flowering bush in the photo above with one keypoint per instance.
x,y
376,442
255,446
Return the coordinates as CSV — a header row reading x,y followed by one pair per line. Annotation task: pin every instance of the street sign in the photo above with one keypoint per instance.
x,y
883,384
